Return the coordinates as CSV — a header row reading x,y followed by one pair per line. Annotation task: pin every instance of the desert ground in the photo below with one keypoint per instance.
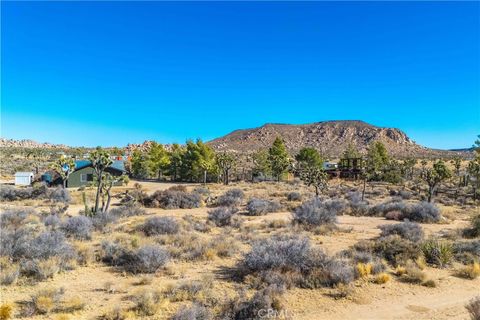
x,y
104,291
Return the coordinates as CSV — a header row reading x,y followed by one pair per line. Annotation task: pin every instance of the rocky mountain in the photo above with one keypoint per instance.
x,y
26,143
329,137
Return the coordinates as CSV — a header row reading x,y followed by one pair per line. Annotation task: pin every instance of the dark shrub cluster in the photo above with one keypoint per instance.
x,y
173,199
396,250
408,230
38,191
403,194
467,251
231,198
146,259
263,301
159,225
474,230
294,196
423,212
293,257
102,219
258,207
473,308
358,207
193,312
79,227
222,216
316,212
127,210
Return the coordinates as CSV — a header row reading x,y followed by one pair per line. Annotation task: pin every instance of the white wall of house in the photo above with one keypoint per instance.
x,y
23,178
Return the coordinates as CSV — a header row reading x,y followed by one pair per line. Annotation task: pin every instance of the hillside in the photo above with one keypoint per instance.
x,y
329,137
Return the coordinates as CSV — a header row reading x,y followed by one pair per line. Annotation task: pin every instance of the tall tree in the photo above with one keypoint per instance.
x,y
434,176
473,169
139,164
175,159
64,166
309,157
100,162
278,158
351,152
225,162
261,165
158,160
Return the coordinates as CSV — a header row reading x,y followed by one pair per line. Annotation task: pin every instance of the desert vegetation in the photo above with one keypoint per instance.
x,y
206,244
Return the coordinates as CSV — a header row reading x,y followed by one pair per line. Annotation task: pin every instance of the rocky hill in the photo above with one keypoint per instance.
x,y
27,143
329,137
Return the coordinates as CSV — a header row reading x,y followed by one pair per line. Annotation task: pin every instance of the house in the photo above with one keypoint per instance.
x,y
84,172
23,178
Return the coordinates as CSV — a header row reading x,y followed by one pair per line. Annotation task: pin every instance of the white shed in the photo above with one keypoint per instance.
x,y
23,178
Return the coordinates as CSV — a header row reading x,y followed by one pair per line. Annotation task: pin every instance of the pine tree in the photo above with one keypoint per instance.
x,y
278,158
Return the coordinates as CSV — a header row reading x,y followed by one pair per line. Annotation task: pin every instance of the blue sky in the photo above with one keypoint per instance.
x,y
109,73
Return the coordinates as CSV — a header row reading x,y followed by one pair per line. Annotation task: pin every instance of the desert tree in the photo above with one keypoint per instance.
x,y
261,165
100,162
473,169
433,176
139,164
175,161
308,157
408,167
225,162
197,161
158,159
315,176
64,166
278,158
351,152
109,181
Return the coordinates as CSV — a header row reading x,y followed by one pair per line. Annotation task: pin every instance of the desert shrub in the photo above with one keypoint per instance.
x,y
102,219
366,258
407,230
41,269
474,230
79,227
52,221
467,251
382,278
396,249
473,308
423,212
9,275
412,274
16,218
438,253
160,225
316,213
59,194
268,299
232,197
312,267
127,210
403,194
146,302
192,312
6,311
294,196
50,244
173,199
199,226
202,191
258,207
11,193
147,259
471,271
43,302
222,216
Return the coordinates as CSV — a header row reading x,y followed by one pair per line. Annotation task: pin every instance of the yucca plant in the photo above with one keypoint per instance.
x,y
438,253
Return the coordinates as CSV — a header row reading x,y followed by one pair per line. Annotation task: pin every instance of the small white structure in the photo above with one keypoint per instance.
x,y
23,178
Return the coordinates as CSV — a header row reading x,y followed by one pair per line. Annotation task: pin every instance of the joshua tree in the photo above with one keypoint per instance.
x,y
434,176
100,161
64,167
225,162
108,182
315,176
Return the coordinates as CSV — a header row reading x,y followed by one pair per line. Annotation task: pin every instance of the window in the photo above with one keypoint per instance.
x,y
83,177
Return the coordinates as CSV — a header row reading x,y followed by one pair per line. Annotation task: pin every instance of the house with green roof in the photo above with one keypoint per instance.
x,y
84,173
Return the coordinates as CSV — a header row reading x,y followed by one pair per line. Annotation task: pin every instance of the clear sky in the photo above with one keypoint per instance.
x,y
109,73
